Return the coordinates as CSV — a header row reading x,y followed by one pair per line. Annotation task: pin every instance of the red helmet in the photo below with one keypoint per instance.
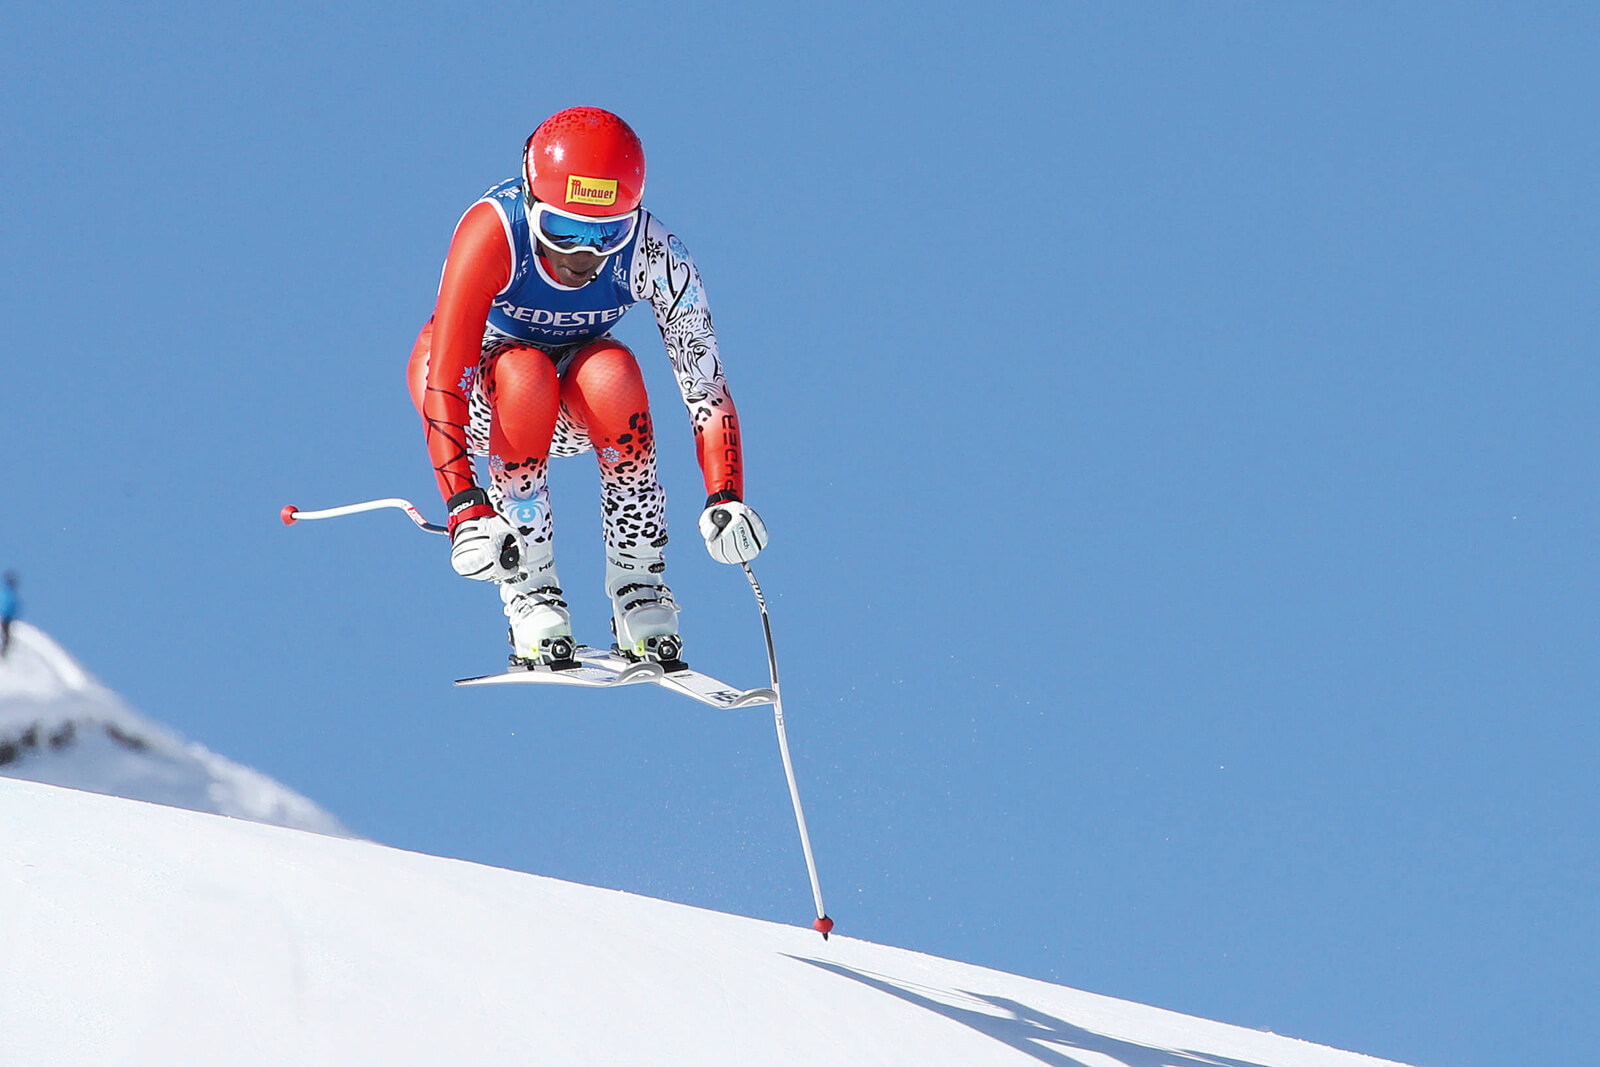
x,y
586,161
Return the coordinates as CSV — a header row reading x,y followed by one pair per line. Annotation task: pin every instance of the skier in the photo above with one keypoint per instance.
x,y
10,608
517,364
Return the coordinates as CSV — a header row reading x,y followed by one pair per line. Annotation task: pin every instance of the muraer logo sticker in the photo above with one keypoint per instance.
x,y
601,192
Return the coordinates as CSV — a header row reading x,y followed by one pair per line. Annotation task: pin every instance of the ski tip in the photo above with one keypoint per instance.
x,y
823,926
288,514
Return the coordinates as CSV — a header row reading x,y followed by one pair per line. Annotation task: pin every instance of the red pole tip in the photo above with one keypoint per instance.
x,y
287,514
823,926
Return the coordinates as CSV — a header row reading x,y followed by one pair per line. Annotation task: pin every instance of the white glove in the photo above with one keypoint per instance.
x,y
483,546
734,533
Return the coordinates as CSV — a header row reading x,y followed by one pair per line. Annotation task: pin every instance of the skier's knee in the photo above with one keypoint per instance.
x,y
521,375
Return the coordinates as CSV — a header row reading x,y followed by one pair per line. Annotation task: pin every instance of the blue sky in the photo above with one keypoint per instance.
x,y
1174,426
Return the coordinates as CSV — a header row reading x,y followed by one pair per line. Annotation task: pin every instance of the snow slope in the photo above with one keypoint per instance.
x,y
59,725
142,934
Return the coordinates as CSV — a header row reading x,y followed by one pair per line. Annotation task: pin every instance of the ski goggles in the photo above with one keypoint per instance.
x,y
566,232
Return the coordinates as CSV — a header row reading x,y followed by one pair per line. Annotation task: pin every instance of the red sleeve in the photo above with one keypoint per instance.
x,y
718,449
477,268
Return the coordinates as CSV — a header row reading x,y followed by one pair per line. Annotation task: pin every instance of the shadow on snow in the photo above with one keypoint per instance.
x,y
1044,1037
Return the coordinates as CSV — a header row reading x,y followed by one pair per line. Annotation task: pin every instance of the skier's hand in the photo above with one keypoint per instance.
x,y
482,544
734,533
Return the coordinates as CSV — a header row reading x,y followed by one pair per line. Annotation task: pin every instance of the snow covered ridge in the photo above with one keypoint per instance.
x,y
137,934
60,726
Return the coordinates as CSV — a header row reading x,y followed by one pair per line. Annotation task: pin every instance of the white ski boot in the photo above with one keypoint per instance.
x,y
644,617
541,626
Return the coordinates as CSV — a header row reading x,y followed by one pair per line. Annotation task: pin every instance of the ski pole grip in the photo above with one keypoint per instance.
x,y
720,519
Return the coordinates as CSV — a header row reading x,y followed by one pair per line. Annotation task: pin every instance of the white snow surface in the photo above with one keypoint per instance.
x,y
140,934
151,931
61,726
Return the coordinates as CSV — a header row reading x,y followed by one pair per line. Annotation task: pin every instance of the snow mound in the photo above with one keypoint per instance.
x,y
136,934
60,726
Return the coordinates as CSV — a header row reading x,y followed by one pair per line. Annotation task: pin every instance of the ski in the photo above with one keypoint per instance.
x,y
599,669
591,675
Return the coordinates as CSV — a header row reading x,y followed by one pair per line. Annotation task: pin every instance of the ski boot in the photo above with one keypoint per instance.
x,y
541,627
644,617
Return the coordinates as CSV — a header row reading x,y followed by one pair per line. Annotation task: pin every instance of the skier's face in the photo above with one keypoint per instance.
x,y
575,269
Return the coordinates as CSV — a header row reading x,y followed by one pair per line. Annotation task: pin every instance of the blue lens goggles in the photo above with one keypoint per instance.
x,y
567,233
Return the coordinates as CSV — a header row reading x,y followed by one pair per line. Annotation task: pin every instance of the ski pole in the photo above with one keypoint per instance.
x,y
291,514
823,924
